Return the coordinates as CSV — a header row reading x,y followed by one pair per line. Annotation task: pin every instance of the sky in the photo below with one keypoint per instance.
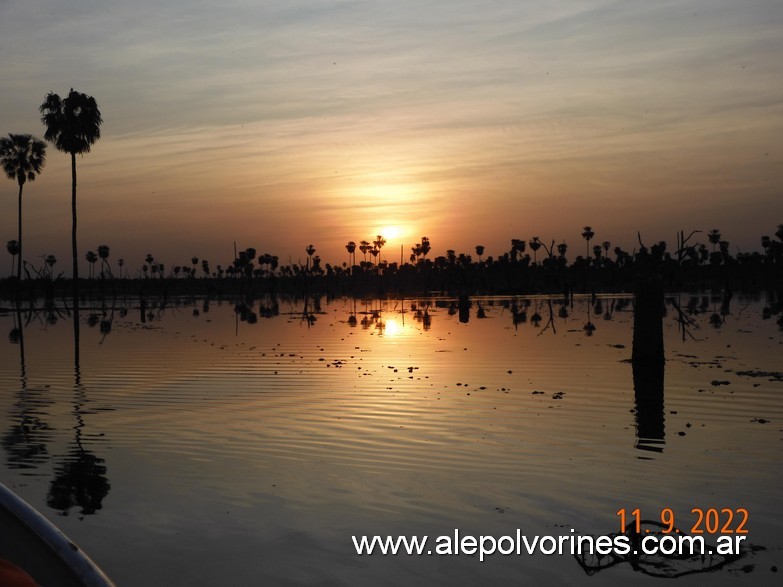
x,y
280,123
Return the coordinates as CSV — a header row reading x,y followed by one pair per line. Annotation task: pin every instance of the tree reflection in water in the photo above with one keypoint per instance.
x,y
80,476
25,440
665,566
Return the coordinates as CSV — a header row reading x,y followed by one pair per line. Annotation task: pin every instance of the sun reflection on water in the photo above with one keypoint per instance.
x,y
392,328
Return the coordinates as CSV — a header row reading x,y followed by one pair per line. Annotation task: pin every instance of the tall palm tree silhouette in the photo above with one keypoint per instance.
x,y
92,258
351,248
22,158
103,253
425,246
378,243
479,251
310,249
364,246
73,124
587,234
714,237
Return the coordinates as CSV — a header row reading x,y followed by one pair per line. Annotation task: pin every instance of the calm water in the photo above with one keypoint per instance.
x,y
207,444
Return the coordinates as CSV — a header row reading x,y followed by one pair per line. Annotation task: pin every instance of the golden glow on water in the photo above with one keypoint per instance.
x,y
391,327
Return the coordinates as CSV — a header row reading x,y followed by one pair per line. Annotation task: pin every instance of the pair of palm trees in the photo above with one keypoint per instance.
x,y
72,126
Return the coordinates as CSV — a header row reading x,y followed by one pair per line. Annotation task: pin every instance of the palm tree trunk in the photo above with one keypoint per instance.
x,y
73,226
19,264
75,265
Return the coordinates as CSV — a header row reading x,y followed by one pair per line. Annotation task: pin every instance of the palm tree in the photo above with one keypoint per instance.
x,y
587,234
425,246
518,245
310,249
351,248
22,158
378,244
103,253
479,252
91,259
73,124
714,237
535,244
13,249
364,246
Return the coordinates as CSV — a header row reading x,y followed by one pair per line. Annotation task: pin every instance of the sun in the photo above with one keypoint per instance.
x,y
390,232
396,232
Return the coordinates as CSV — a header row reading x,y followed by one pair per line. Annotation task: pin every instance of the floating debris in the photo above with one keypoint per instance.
x,y
772,375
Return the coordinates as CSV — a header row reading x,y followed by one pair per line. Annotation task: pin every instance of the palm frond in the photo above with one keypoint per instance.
x,y
73,123
22,157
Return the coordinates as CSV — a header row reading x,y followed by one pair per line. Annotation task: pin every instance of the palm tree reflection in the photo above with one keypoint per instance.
x,y
25,441
648,364
80,476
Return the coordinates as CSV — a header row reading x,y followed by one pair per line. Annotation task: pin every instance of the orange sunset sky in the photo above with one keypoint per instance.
x,y
277,124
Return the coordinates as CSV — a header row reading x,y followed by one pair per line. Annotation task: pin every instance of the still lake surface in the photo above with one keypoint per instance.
x,y
201,443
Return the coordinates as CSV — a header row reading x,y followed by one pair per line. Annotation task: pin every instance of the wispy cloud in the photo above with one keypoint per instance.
x,y
485,109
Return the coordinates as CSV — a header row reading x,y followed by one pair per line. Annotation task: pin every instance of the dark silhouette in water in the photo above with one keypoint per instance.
x,y
464,308
660,565
648,363
25,441
649,405
80,477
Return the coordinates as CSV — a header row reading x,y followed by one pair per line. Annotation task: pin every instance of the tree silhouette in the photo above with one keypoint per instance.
x,y
13,249
714,237
73,124
351,248
479,251
364,246
92,258
425,246
587,234
22,158
103,253
378,243
310,249
535,244
517,246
